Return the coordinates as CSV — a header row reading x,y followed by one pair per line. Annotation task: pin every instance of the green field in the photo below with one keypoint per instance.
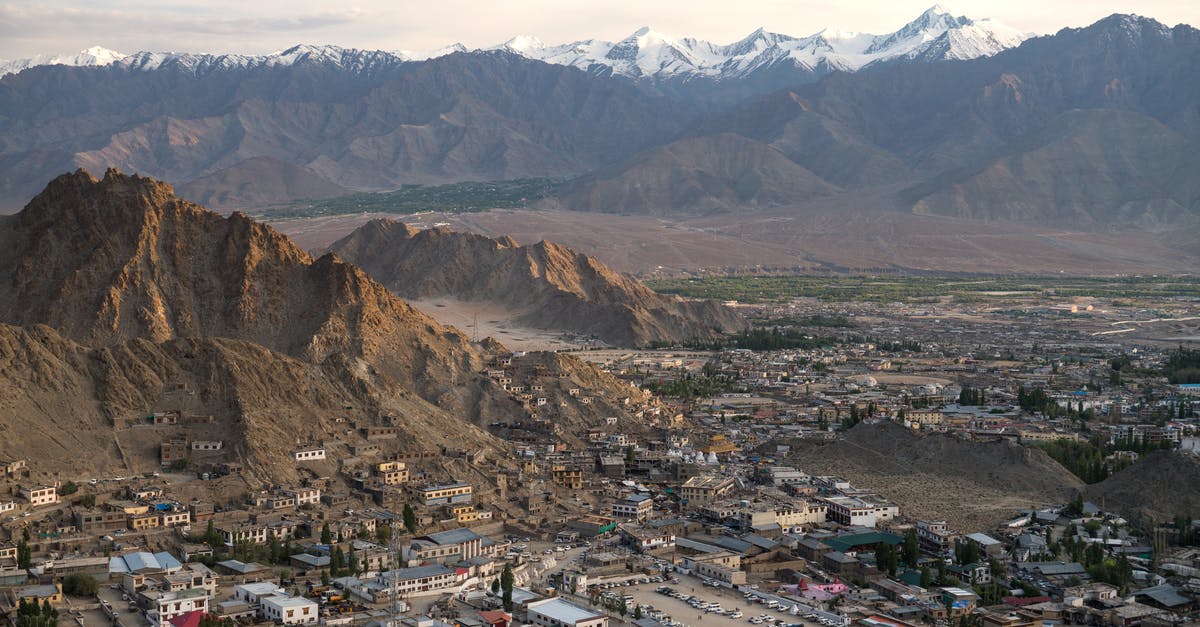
x,y
453,198
915,289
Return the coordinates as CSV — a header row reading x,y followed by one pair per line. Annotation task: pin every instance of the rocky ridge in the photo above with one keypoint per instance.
x,y
546,285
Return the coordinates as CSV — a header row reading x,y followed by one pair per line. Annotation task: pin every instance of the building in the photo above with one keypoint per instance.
x,y
164,605
850,511
392,473
567,476
935,537
304,496
637,507
450,546
175,518
90,522
445,494
40,495
409,581
289,610
557,612
309,454
703,489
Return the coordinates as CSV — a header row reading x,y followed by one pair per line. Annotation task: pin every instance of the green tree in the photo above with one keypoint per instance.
x,y
383,534
496,587
637,613
80,585
326,535
410,518
926,577
911,551
24,555
506,587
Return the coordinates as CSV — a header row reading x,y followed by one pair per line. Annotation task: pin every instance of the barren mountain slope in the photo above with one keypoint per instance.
x,y
1160,487
548,286
257,182
973,485
67,405
695,175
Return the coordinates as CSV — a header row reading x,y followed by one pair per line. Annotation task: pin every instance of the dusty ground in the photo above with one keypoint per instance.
x,y
483,320
813,237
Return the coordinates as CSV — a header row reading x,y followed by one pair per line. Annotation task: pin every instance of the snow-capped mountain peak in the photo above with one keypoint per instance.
x,y
96,55
645,54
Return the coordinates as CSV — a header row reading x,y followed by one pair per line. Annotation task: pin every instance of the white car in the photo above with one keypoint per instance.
x,y
756,620
735,614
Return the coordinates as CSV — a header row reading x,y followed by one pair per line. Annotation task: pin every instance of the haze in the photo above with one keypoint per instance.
x,y
219,26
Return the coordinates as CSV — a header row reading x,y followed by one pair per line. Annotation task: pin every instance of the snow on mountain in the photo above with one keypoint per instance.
x,y
95,55
935,34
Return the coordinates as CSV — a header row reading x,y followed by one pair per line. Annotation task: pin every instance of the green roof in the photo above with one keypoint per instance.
x,y
851,542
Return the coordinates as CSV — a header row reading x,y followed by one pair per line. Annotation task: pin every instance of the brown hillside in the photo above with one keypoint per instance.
x,y
547,285
1160,487
151,303
722,172
973,485
256,182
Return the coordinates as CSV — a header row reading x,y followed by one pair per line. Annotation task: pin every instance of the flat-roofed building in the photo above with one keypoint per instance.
x,y
557,612
705,488
457,492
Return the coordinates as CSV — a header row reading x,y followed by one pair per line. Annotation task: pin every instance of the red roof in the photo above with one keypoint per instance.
x,y
495,617
1023,601
191,619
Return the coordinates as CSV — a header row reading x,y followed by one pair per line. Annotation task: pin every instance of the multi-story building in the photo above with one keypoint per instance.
x,y
567,475
392,473
304,496
457,492
419,579
847,510
705,489
164,605
935,537
637,507
40,495
174,518
445,547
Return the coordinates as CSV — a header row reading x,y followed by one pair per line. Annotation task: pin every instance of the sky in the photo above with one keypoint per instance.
x,y
31,27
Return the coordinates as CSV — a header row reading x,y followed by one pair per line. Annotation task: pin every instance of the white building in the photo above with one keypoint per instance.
x,y
252,594
289,610
310,454
556,612
635,506
166,605
846,510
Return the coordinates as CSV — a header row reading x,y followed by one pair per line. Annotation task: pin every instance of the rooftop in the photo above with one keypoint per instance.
x,y
562,611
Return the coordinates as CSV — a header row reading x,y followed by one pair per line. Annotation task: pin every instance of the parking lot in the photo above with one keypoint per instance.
x,y
688,615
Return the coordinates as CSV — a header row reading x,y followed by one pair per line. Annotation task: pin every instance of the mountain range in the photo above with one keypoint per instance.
x,y
646,53
544,285
117,298
1090,129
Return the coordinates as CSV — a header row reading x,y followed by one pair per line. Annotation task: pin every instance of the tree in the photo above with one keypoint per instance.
x,y
383,533
912,552
637,613
410,518
496,587
353,562
68,488
24,555
326,535
506,587
80,585
926,577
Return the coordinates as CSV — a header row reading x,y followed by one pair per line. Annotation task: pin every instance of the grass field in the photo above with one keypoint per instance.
x,y
464,197
759,289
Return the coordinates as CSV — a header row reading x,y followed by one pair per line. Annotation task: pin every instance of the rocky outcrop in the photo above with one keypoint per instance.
x,y
549,286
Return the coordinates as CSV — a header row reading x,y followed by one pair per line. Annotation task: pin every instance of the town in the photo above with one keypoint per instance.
x,y
732,485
